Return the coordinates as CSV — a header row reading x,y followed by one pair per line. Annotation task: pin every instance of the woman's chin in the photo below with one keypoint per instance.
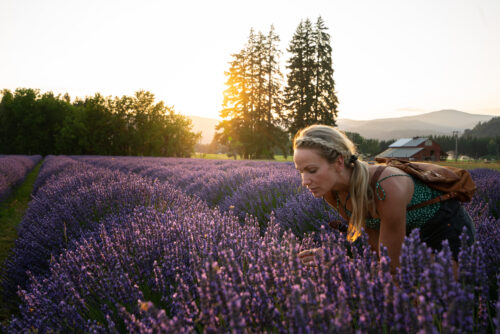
x,y
317,194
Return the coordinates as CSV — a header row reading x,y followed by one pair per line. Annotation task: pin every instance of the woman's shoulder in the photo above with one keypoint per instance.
x,y
379,172
391,180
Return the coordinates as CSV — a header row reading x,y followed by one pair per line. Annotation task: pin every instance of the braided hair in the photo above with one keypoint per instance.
x,y
331,143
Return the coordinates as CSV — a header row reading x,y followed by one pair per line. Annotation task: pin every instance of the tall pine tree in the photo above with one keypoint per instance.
x,y
298,92
310,92
253,99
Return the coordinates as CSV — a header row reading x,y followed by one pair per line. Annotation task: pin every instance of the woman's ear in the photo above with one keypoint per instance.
x,y
339,163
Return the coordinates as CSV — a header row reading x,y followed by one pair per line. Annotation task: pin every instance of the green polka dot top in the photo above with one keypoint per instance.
x,y
414,218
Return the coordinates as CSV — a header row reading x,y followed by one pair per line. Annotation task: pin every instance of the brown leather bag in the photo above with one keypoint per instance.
x,y
453,182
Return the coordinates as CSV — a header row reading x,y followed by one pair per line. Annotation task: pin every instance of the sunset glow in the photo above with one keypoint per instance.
x,y
391,58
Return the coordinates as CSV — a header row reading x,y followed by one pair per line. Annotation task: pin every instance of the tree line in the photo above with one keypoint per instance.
x,y
262,110
474,147
35,123
482,141
490,128
260,114
367,146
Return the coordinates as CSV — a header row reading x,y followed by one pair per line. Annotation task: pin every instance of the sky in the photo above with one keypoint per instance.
x,y
391,58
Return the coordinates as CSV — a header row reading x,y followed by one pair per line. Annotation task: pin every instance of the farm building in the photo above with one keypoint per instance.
x,y
418,148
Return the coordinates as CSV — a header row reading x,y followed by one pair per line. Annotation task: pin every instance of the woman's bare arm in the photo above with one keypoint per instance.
x,y
392,212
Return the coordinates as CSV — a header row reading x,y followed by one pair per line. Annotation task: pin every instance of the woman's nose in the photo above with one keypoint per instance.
x,y
305,180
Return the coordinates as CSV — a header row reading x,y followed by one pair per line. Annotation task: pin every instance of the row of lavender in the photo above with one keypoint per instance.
x,y
246,187
112,251
258,188
13,169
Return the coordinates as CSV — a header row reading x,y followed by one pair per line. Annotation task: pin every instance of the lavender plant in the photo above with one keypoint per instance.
x,y
208,273
262,195
136,264
13,169
303,213
130,257
216,185
488,192
72,204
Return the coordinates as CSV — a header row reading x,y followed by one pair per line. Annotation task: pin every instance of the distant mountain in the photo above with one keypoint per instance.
x,y
485,129
206,126
442,122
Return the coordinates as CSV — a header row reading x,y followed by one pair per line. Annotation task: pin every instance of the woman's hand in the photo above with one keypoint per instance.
x,y
338,225
311,256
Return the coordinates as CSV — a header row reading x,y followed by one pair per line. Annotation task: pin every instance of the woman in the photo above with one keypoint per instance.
x,y
373,199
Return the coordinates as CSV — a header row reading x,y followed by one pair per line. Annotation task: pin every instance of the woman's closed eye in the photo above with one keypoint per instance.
x,y
307,170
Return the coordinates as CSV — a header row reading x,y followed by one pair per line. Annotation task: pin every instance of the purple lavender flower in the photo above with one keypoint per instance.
x,y
13,169
125,253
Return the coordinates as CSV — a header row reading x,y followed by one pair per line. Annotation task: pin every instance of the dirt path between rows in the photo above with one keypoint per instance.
x,y
12,211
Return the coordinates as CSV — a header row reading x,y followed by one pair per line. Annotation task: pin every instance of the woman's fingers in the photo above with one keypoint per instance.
x,y
307,257
307,252
310,256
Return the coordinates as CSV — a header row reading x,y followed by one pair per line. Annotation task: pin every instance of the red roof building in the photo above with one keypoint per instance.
x,y
413,149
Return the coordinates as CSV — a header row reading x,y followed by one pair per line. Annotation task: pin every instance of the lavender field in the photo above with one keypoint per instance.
x,y
13,169
171,245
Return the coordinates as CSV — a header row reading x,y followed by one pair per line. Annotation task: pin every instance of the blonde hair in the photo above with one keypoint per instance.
x,y
330,144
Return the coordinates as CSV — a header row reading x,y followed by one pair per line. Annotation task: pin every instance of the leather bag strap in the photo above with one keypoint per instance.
x,y
376,175
434,200
441,198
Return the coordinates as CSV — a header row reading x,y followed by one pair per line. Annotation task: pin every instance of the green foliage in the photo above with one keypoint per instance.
x,y
384,144
485,129
310,92
367,147
492,147
31,123
252,106
471,164
11,213
474,147
258,116
483,141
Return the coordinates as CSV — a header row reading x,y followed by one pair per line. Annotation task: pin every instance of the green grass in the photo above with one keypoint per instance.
x,y
471,164
223,156
211,156
11,213
459,164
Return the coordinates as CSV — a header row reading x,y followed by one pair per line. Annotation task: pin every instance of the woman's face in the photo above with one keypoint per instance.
x,y
318,175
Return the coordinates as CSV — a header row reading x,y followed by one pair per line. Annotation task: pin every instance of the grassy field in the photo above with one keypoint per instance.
x,y
223,156
459,164
11,213
471,164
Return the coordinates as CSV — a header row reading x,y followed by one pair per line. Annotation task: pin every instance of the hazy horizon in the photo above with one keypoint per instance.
x,y
371,119
392,58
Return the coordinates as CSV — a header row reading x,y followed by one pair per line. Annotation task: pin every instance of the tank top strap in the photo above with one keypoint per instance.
x,y
375,182
376,175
